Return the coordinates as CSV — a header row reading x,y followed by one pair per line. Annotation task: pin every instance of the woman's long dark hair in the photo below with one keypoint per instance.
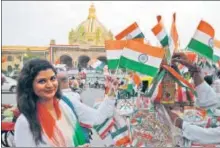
x,y
27,99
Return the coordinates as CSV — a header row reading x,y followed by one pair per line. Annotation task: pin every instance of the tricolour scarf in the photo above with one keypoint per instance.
x,y
57,133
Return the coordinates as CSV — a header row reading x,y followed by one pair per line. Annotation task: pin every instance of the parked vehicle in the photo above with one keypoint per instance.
x,y
14,74
9,84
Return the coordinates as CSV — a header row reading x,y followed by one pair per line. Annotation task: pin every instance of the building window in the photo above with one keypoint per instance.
x,y
10,58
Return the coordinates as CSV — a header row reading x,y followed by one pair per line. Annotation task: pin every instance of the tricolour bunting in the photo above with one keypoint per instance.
x,y
113,51
142,58
202,41
216,54
131,32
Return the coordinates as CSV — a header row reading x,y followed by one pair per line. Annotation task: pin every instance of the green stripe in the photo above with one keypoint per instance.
x,y
165,41
78,136
201,49
141,35
137,66
113,64
119,131
216,58
98,127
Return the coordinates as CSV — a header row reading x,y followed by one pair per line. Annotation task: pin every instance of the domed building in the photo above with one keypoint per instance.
x,y
85,42
90,31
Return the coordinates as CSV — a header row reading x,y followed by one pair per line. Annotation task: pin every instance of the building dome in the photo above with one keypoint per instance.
x,y
90,31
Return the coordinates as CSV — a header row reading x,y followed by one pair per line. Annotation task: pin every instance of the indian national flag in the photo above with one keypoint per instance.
x,y
216,54
105,127
113,51
142,58
121,136
131,32
202,41
96,64
160,32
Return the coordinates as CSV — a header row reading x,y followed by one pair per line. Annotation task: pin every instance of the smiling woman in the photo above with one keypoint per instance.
x,y
47,117
36,83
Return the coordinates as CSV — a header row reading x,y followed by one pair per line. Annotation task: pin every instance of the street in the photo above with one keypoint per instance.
x,y
88,97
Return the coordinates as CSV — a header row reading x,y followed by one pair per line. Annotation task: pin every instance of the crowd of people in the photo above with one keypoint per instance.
x,y
53,115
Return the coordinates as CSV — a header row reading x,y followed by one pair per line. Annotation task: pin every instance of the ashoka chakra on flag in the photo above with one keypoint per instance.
x,y
143,58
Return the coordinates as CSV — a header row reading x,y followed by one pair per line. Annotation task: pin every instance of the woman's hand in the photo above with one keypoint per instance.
x,y
111,86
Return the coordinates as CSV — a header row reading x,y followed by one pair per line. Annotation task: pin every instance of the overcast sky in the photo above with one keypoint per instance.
x,y
35,23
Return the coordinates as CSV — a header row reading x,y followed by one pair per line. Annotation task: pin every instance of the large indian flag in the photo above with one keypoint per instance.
x,y
202,41
113,51
216,54
131,32
142,58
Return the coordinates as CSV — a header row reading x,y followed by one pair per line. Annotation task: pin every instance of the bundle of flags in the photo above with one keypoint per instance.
x,y
114,127
185,90
170,43
129,52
